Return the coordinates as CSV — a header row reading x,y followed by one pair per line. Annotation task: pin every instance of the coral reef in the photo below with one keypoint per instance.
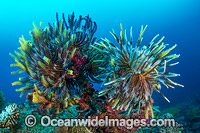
x,y
136,71
92,105
62,63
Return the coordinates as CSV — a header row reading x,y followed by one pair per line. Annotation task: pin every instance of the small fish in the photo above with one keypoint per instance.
x,y
70,72
112,61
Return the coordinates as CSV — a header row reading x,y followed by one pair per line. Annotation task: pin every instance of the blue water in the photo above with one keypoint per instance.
x,y
177,20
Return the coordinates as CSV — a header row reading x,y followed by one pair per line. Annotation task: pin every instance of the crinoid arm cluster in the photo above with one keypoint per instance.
x,y
59,62
136,71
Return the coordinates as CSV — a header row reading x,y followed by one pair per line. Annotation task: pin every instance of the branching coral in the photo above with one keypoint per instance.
x,y
136,71
59,61
8,117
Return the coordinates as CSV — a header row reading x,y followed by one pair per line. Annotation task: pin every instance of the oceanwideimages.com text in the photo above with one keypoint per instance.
x,y
46,121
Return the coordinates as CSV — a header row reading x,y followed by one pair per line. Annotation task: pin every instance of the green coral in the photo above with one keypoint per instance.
x,y
172,110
